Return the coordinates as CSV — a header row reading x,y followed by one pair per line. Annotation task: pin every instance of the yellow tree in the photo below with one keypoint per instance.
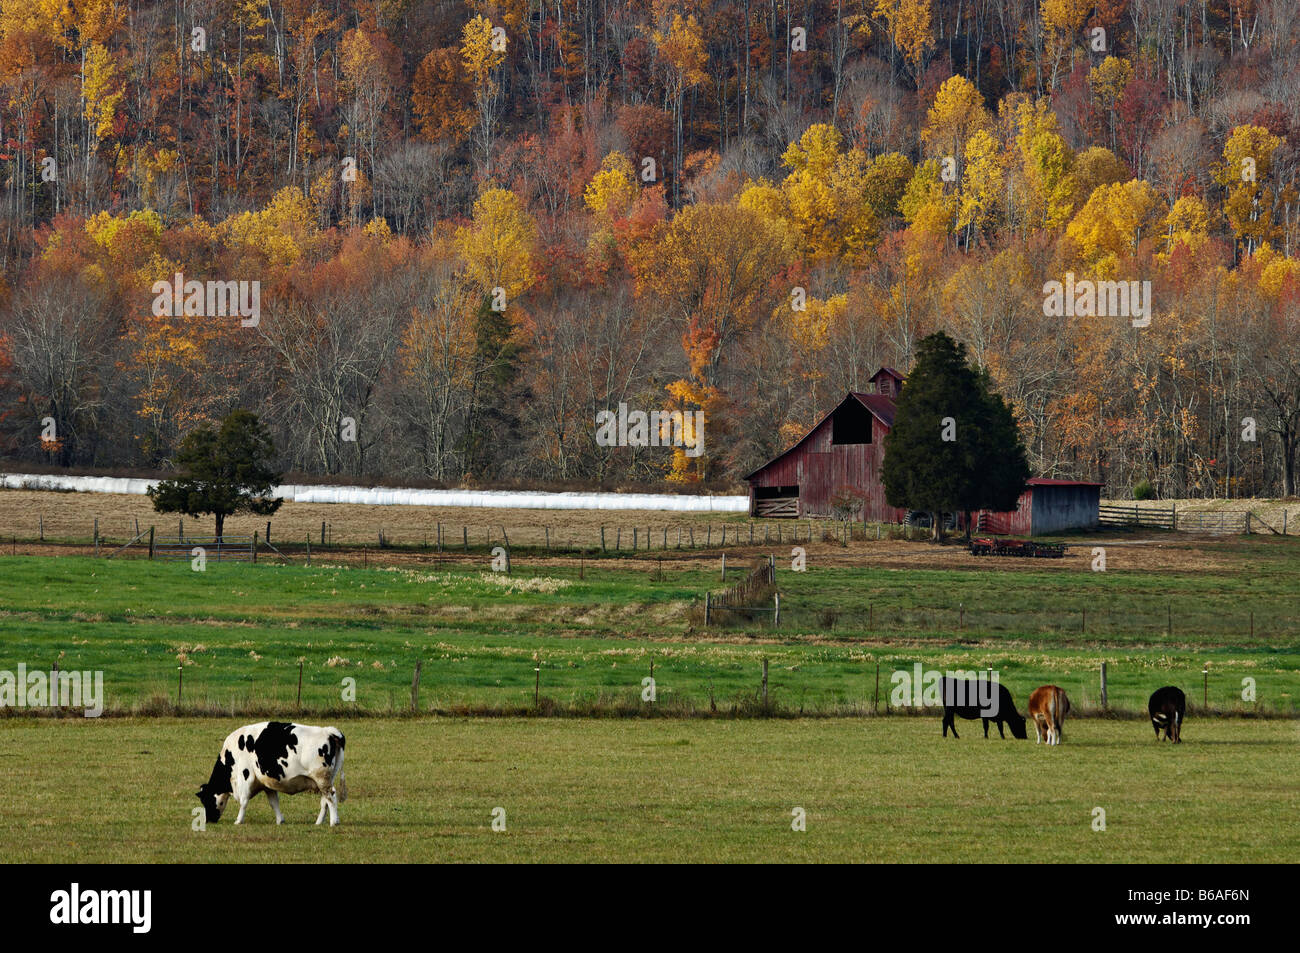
x,y
712,267
957,113
825,200
1062,21
1113,222
482,55
926,204
1246,174
981,184
681,49
613,189
499,246
908,23
1108,80
1044,186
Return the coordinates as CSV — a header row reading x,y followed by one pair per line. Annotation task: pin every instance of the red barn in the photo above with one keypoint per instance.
x,y
845,449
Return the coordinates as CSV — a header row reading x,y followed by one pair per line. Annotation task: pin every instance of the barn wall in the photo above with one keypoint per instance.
x,y
1058,508
1015,522
819,468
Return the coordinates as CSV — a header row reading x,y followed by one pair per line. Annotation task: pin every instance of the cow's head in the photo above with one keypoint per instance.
x,y
1017,725
213,804
214,794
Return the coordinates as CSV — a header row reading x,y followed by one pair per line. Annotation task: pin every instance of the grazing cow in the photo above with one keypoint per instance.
x,y
1048,707
1167,708
974,699
277,757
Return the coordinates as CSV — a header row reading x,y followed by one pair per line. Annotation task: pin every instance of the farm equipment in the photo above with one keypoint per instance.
x,y
996,546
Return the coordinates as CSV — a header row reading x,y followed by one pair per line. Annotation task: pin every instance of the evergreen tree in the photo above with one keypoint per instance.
x,y
224,471
954,446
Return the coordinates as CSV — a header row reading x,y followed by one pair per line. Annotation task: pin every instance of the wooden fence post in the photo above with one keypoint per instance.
x,y
1173,510
724,567
706,610
151,542
254,546
776,612
1104,703
96,536
415,686
602,539
309,549
464,537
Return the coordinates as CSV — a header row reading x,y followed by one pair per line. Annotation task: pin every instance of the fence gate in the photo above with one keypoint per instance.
x,y
218,548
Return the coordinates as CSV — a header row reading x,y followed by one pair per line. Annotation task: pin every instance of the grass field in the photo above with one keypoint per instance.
x,y
638,790
613,781
240,632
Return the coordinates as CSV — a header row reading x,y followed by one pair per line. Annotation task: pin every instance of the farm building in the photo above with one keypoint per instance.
x,y
845,450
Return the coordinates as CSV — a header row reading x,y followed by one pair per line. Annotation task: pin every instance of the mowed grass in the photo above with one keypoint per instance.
x,y
874,790
240,632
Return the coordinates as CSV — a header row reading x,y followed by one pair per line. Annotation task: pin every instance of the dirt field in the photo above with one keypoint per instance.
x,y
71,517
69,520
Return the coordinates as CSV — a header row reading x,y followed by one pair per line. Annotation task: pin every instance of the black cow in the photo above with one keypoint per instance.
x,y
968,699
1167,708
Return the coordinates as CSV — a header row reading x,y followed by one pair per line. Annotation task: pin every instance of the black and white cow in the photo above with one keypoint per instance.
x,y
279,758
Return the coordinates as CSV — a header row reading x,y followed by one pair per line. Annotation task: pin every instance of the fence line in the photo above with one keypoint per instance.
x,y
218,548
1216,522
609,538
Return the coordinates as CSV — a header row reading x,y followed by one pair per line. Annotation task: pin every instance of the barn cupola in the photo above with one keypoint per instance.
x,y
888,382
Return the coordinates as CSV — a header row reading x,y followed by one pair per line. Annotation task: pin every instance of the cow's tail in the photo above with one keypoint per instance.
x,y
342,783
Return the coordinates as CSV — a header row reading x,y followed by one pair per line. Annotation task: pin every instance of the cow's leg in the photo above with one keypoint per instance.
x,y
330,799
243,806
1038,732
274,798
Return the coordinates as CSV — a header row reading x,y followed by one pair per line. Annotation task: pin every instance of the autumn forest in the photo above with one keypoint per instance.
x,y
469,227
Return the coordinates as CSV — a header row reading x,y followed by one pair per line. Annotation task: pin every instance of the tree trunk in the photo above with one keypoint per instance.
x,y
936,527
221,522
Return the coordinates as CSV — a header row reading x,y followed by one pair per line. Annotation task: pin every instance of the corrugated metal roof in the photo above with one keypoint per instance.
x,y
1045,481
880,405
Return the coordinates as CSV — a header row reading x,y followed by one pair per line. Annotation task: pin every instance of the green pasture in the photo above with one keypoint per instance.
x,y
238,635
640,790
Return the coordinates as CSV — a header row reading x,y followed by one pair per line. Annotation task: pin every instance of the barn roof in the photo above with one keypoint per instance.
x,y
1046,481
881,407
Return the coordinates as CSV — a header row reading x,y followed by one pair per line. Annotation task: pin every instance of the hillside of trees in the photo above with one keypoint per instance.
x,y
474,225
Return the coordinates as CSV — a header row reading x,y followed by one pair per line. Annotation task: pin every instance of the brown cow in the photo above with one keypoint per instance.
x,y
1048,707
